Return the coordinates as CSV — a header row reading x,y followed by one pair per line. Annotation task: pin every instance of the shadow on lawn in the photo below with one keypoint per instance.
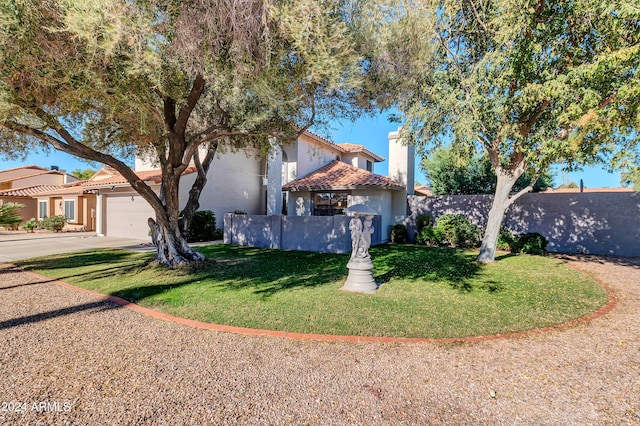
x,y
412,262
79,259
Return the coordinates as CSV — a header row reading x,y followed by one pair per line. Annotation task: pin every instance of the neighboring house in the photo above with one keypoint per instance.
x,y
310,177
119,210
23,184
73,201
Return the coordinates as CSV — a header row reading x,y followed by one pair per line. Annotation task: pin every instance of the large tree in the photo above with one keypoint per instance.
x,y
532,82
452,173
176,80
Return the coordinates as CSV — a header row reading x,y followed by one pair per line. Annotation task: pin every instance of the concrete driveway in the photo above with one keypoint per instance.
x,y
16,245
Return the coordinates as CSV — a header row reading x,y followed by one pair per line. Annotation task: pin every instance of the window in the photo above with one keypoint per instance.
x,y
70,210
329,203
369,166
42,209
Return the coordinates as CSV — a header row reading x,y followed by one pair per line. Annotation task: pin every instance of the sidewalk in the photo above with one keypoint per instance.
x,y
16,245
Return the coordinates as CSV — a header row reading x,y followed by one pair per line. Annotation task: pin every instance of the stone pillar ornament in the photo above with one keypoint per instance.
x,y
360,267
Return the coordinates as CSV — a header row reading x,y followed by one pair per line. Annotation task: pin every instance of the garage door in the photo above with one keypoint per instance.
x,y
127,216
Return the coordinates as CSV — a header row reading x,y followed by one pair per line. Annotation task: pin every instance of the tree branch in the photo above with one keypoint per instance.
x,y
188,107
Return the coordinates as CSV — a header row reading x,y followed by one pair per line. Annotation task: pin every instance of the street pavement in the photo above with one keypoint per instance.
x,y
16,245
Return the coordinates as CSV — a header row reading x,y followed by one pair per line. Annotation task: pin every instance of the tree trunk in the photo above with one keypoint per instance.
x,y
501,202
172,247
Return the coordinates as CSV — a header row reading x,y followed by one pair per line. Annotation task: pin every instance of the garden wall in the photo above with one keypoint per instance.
x,y
605,223
325,234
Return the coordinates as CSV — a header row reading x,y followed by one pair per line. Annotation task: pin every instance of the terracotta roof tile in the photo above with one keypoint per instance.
x,y
338,175
74,188
27,191
24,172
423,190
117,179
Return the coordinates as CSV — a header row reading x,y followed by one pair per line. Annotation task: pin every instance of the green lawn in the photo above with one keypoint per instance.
x,y
425,292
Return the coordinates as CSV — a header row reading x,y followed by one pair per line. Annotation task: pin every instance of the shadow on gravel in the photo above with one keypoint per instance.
x,y
30,319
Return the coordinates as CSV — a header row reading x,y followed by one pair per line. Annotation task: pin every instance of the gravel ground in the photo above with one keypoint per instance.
x,y
67,358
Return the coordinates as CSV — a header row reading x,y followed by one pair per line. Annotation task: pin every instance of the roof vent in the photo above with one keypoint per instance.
x,y
55,168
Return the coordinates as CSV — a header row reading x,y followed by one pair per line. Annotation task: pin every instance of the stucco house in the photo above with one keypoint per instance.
x,y
24,184
309,177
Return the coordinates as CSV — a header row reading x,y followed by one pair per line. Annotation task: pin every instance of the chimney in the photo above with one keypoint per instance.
x,y
401,161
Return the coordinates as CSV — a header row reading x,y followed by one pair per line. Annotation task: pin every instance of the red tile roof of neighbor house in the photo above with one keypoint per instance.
x,y
73,188
110,177
27,191
338,175
423,190
24,172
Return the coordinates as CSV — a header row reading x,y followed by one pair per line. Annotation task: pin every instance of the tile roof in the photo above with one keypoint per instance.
x,y
27,191
338,175
74,188
110,177
23,172
423,190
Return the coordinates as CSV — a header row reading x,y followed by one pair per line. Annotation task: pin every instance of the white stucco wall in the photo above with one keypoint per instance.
x,y
234,182
311,156
299,204
401,162
381,201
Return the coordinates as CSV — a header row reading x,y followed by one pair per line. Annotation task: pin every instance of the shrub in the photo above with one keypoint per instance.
x,y
530,243
30,225
9,215
430,236
457,230
202,226
423,221
506,239
399,234
237,211
53,223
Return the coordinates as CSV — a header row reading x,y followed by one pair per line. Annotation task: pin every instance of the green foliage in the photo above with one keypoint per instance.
x,y
457,230
83,174
632,177
450,229
451,173
530,243
431,236
424,221
173,81
30,225
238,211
506,239
532,83
202,226
569,185
9,216
399,234
53,223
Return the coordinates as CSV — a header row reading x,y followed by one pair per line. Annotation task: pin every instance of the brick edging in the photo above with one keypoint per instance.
x,y
611,303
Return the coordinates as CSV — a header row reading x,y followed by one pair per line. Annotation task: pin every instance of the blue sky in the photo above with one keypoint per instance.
x,y
368,131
